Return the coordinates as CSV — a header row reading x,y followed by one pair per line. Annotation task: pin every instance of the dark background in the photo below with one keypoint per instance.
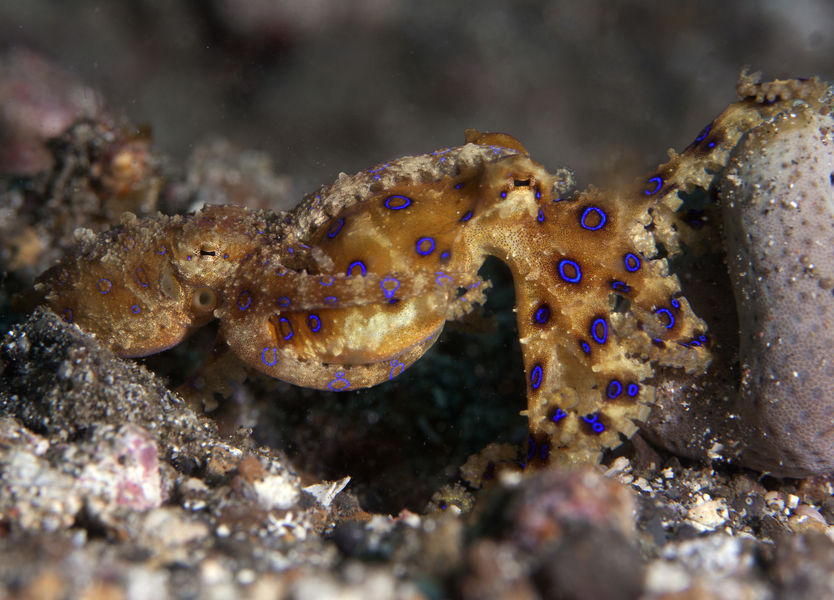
x,y
332,85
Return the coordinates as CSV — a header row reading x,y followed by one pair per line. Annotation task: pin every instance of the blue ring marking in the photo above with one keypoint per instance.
x,y
558,415
632,390
135,309
443,278
274,351
593,209
188,257
164,249
335,228
331,300
283,301
599,323
466,216
375,172
326,280
225,255
658,183
711,145
445,255
703,133
389,293
593,421
281,321
531,450
142,277
281,271
396,366
460,185
340,378
632,262
538,194
675,303
104,285
421,242
668,313
244,300
540,217
542,314
67,315
314,323
397,202
577,276
536,376
503,194
585,346
620,286
614,389
356,263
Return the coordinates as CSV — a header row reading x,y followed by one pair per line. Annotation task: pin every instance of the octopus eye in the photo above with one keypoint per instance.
x,y
204,299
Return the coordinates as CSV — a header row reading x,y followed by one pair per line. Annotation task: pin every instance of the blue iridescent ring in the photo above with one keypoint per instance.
x,y
536,377
566,263
272,353
668,314
357,264
590,211
614,389
632,262
314,323
142,277
396,368
244,300
632,390
389,286
397,202
424,246
703,133
542,314
599,330
655,182
287,331
594,422
335,228
338,383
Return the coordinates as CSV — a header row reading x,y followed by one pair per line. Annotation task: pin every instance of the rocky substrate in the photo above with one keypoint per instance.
x,y
112,487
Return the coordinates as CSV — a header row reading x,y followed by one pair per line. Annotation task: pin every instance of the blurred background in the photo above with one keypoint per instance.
x,y
326,86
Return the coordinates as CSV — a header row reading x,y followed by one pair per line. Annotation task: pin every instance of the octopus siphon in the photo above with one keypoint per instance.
x,y
352,286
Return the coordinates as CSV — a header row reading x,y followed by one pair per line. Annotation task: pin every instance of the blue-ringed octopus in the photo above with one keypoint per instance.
x,y
356,283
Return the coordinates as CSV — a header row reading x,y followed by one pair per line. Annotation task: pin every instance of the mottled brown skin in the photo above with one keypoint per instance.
x,y
356,283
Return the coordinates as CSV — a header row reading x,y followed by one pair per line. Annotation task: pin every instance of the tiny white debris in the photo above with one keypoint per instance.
x,y
326,491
